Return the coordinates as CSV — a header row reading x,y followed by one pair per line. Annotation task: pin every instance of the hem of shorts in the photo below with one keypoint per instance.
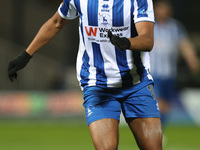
x,y
88,123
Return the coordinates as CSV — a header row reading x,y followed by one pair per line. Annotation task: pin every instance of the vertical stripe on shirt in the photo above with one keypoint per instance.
x,y
127,79
78,6
118,13
92,10
85,69
132,9
101,78
139,65
65,8
133,29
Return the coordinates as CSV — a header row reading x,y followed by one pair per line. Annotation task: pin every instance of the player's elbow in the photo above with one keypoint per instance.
x,y
147,42
149,45
57,24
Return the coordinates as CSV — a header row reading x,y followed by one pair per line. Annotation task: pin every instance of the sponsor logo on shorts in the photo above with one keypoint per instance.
x,y
89,111
157,106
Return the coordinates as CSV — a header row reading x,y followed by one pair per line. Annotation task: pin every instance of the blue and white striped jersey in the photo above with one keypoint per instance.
x,y
99,63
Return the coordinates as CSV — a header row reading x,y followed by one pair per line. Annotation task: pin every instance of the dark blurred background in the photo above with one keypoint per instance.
x,y
20,21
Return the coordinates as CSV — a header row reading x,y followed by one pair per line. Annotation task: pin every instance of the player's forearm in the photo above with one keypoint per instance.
x,y
47,32
188,52
142,43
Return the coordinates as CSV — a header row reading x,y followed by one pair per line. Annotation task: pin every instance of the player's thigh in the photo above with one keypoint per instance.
x,y
147,132
105,134
143,116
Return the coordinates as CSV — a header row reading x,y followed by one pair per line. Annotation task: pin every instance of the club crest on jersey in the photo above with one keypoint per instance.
x,y
104,18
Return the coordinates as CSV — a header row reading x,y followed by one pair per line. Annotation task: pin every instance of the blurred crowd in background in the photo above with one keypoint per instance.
x,y
53,67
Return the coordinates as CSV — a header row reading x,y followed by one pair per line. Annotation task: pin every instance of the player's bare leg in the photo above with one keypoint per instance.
x,y
105,134
147,132
164,107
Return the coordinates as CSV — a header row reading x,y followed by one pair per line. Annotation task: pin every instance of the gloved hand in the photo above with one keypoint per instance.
x,y
17,64
121,43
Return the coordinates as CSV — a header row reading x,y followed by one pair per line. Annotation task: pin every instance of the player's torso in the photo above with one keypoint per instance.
x,y
99,62
99,16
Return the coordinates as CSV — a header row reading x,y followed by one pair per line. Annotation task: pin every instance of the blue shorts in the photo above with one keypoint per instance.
x,y
103,103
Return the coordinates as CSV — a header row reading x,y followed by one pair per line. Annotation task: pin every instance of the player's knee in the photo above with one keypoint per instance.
x,y
107,145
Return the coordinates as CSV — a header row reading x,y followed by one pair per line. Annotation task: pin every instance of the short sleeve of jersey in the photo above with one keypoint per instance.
x,y
67,10
143,11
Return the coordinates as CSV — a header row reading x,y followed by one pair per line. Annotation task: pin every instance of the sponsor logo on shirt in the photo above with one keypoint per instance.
x,y
101,34
91,31
105,8
143,11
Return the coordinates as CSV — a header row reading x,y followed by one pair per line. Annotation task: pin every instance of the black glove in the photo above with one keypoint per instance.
x,y
17,64
121,43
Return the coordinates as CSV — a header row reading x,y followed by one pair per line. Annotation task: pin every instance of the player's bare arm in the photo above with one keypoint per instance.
x,y
143,42
145,39
188,52
47,32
